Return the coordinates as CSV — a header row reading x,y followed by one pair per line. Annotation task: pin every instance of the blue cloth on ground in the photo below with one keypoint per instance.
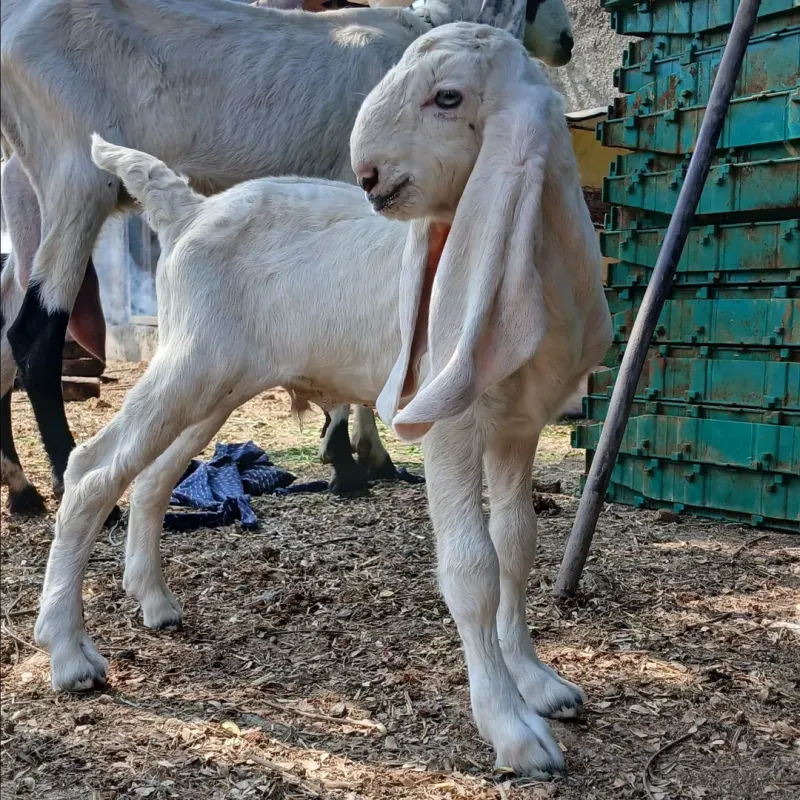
x,y
222,488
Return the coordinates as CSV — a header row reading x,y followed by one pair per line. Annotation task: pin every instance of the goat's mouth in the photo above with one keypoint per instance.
x,y
387,201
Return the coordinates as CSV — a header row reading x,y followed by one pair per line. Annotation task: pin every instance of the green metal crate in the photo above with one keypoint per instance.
x,y
621,274
764,119
739,495
771,185
715,315
754,252
751,383
615,353
696,16
735,495
596,408
673,44
774,448
771,63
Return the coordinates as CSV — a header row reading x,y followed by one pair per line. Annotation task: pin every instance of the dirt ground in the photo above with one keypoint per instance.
x,y
318,660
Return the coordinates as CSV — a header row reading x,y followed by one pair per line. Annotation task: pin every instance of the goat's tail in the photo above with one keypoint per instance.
x,y
165,196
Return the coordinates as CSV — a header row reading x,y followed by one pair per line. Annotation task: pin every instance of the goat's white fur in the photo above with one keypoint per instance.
x,y
316,279
275,93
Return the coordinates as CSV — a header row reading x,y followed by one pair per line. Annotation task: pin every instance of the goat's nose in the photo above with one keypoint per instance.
x,y
567,43
369,182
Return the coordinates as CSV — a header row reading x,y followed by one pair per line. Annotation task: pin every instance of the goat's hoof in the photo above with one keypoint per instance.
x,y
385,471
26,502
163,614
77,667
349,482
58,488
526,746
549,695
114,518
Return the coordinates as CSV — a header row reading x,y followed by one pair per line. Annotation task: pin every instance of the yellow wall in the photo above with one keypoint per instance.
x,y
593,158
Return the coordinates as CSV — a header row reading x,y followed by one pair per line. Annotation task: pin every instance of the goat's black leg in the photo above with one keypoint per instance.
x,y
37,341
23,497
348,479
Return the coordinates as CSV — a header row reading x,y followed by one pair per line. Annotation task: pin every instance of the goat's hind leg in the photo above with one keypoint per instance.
x,y
512,524
23,497
169,398
469,575
144,577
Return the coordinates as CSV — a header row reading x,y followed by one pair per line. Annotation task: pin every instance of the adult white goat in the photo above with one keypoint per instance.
x,y
503,284
274,93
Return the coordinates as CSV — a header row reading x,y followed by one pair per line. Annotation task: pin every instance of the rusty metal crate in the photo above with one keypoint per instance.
x,y
718,381
749,497
764,119
771,63
753,252
723,443
675,44
647,17
772,184
767,316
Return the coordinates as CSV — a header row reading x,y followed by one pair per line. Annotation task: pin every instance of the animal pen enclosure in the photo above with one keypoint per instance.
x,y
319,661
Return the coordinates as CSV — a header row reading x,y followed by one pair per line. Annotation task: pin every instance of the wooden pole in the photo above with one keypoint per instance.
x,y
599,476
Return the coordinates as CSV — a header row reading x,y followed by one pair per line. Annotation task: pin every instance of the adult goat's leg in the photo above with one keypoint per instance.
x,y
469,575
23,497
21,211
512,524
144,578
75,202
373,459
171,396
348,478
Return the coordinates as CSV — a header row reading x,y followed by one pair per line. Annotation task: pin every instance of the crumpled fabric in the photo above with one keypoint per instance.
x,y
222,487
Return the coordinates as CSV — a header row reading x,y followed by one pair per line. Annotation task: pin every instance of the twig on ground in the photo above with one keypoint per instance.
x,y
718,618
19,639
749,543
664,749
358,723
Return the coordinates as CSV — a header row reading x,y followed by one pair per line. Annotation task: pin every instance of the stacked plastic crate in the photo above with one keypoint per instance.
x,y
715,427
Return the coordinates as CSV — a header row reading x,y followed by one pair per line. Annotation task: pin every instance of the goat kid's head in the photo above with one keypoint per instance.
x,y
458,138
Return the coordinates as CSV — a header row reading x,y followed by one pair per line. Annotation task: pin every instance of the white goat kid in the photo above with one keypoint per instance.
x,y
466,139
276,93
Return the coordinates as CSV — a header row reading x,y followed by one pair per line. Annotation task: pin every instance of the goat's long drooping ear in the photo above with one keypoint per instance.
x,y
487,314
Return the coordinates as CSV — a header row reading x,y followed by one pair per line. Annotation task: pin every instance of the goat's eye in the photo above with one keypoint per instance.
x,y
448,98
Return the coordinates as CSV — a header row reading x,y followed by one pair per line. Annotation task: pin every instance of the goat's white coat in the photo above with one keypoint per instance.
x,y
316,279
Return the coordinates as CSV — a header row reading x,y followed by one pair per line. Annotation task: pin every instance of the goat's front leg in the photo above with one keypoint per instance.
x,y
469,575
512,524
